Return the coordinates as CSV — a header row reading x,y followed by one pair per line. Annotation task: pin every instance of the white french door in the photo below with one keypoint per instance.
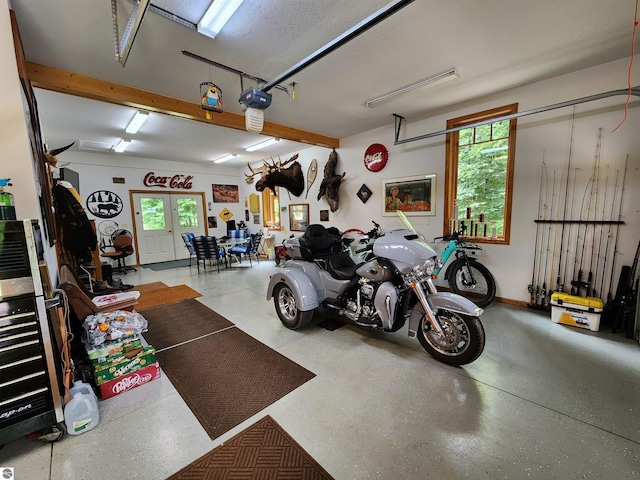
x,y
160,220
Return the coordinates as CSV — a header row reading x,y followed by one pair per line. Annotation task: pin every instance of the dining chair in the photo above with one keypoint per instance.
x,y
207,248
249,249
187,238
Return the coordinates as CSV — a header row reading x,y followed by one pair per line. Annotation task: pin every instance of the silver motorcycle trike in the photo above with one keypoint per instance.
x,y
391,288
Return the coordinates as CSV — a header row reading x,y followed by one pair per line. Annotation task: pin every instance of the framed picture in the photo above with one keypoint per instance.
x,y
298,217
225,193
324,215
413,195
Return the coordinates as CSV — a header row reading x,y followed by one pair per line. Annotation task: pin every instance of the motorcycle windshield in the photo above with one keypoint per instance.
x,y
405,220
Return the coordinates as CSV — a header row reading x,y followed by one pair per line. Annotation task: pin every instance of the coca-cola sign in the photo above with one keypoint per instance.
x,y
176,181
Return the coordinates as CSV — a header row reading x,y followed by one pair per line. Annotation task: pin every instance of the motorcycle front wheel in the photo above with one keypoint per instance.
x,y
463,339
472,280
287,308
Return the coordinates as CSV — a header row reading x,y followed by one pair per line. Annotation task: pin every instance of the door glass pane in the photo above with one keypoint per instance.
x,y
152,210
187,213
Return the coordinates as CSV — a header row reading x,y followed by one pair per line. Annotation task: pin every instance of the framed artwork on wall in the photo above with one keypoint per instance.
x,y
225,193
413,195
298,217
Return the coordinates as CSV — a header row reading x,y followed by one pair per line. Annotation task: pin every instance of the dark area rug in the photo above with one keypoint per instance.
x,y
262,451
181,321
167,265
227,377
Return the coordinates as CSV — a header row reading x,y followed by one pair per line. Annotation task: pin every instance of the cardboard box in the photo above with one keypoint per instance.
x,y
111,350
127,382
582,312
111,369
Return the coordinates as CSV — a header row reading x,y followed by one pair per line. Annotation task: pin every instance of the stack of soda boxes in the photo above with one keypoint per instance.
x,y
120,360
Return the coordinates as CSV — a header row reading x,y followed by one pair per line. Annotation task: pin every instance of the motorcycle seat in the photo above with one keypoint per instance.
x,y
318,243
341,266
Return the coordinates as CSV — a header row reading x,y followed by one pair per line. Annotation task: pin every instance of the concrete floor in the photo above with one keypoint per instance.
x,y
543,401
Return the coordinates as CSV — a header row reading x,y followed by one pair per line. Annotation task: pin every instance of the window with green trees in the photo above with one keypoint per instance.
x,y
479,175
153,217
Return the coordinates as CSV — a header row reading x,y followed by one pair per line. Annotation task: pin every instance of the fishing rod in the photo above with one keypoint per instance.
x,y
596,183
604,207
536,258
555,233
539,292
615,248
559,284
577,273
606,251
573,200
546,260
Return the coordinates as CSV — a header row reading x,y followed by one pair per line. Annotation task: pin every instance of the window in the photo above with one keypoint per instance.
x,y
479,175
271,208
187,212
153,214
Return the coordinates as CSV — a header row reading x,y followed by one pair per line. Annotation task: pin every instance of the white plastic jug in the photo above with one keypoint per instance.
x,y
80,414
85,388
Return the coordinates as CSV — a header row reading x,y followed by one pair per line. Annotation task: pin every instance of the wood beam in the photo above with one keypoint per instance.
x,y
56,80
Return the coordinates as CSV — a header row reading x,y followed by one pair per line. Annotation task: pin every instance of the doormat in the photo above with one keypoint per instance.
x,y
228,376
168,265
165,295
180,322
264,450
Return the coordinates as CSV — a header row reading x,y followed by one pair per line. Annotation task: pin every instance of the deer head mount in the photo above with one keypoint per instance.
x,y
330,185
275,175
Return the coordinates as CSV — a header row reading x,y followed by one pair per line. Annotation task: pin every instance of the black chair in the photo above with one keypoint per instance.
x,y
207,249
187,238
122,248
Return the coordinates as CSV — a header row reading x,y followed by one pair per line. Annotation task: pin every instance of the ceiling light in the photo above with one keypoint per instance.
x,y
224,158
122,145
430,81
218,13
136,122
260,145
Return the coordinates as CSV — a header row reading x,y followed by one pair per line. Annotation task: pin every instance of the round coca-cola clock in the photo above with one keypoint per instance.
x,y
375,157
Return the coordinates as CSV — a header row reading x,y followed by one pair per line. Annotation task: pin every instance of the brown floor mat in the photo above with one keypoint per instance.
x,y
229,376
179,322
263,450
164,296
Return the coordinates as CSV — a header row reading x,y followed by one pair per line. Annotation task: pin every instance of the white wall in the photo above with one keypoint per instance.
x,y
17,160
539,136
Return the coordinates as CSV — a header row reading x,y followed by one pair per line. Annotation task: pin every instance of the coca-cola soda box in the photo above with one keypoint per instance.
x,y
129,381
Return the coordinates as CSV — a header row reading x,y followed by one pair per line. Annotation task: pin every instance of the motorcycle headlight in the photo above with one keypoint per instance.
x,y
418,270
429,266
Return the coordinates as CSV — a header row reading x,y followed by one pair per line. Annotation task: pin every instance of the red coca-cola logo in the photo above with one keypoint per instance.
x,y
130,382
176,181
375,157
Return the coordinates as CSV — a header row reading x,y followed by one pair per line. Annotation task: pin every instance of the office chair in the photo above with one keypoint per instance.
x,y
122,248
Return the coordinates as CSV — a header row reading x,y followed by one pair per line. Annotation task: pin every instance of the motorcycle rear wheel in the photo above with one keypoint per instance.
x,y
473,281
286,306
463,340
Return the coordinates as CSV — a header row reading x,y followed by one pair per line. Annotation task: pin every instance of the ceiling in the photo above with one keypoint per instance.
x,y
494,45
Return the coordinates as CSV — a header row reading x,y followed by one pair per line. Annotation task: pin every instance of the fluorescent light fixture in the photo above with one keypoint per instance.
x,y
136,122
122,145
224,158
263,144
218,13
430,81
